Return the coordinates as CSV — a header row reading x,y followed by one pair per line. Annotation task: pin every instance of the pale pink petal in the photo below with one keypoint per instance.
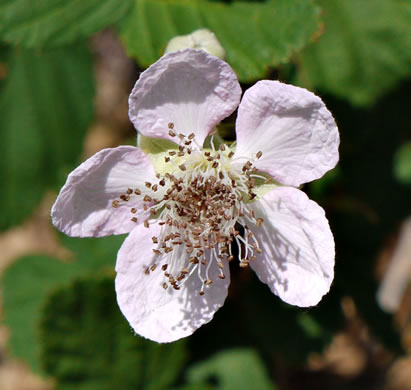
x,y
84,205
191,89
291,127
297,261
153,312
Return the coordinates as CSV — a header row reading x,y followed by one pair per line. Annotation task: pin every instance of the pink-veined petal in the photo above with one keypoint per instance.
x,y
153,312
291,127
191,89
297,261
84,205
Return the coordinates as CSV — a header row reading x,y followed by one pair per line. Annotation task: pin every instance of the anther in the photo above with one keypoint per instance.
x,y
147,184
133,210
137,191
259,154
171,125
259,222
147,198
134,219
115,204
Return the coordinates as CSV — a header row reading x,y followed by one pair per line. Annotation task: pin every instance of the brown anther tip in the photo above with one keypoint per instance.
x,y
164,267
215,164
231,154
201,293
147,184
137,191
133,210
222,147
259,222
146,224
230,258
221,276
182,167
115,204
166,159
165,286
243,263
181,136
259,154
191,136
147,198
147,271
153,267
129,191
134,219
171,125
154,239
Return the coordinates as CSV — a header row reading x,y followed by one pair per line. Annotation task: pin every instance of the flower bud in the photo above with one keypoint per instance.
x,y
200,39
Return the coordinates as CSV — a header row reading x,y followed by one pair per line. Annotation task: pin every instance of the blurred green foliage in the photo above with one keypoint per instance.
x,y
254,35
232,370
355,53
56,22
364,51
29,281
88,345
402,163
46,106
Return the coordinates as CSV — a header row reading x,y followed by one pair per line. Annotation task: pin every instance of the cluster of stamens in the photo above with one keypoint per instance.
x,y
200,205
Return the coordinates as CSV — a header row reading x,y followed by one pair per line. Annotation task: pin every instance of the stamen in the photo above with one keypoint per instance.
x,y
198,205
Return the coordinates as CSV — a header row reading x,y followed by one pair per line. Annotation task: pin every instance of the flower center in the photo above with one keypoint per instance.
x,y
201,206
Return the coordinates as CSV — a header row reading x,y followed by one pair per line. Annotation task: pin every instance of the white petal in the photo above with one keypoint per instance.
x,y
191,89
153,312
84,205
291,127
297,261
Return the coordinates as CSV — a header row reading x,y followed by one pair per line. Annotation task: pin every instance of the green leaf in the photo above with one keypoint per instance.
x,y
364,51
402,163
56,22
254,35
46,105
28,281
88,345
233,369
